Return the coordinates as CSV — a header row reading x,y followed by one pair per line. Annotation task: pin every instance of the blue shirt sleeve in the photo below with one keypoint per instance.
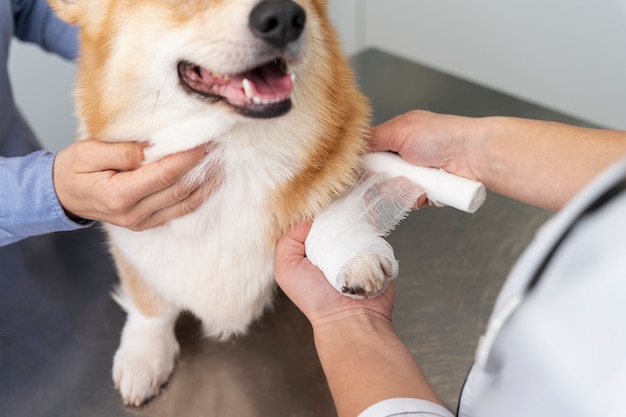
x,y
28,202
36,22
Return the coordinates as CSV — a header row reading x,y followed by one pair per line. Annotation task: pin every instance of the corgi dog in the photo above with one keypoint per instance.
x,y
265,84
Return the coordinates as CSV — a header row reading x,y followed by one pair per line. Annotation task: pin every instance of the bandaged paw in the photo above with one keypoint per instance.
x,y
347,242
368,275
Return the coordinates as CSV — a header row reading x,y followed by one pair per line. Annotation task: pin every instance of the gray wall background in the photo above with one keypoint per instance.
x,y
42,85
568,55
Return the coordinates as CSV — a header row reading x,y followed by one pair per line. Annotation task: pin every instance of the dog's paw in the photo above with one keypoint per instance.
x,y
367,275
142,365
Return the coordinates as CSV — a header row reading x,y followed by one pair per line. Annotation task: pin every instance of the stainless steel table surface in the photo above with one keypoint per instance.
x,y
59,327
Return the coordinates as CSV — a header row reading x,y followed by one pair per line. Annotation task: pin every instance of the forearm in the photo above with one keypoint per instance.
x,y
542,163
36,22
365,362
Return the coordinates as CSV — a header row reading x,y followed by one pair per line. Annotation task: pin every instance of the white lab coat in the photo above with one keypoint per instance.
x,y
561,351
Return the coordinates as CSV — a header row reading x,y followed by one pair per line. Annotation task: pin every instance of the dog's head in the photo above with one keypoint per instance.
x,y
253,75
232,57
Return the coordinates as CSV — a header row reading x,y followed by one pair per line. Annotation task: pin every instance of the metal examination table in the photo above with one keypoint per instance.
x,y
59,327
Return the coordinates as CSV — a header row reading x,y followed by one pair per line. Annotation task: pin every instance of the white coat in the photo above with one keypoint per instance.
x,y
557,348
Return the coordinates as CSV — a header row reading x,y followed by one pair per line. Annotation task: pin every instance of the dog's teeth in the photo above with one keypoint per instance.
x,y
293,78
247,88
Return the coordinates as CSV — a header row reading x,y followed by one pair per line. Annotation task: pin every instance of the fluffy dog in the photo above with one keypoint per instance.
x,y
265,84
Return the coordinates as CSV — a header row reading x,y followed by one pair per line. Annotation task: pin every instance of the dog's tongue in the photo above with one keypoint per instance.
x,y
264,85
270,82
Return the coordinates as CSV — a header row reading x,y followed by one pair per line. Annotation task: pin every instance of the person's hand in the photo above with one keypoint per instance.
x,y
432,140
541,163
103,181
307,287
355,339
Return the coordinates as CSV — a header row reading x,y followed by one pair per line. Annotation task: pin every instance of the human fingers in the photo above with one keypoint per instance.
x,y
107,182
157,176
388,136
93,155
299,279
298,234
421,202
82,171
173,202
419,137
290,257
435,140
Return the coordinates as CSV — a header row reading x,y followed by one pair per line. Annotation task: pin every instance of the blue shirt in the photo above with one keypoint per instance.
x,y
28,202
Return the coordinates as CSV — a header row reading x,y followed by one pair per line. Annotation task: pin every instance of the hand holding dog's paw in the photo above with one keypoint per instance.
x,y
142,365
367,275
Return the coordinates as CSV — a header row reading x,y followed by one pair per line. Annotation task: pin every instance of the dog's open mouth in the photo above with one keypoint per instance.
x,y
262,92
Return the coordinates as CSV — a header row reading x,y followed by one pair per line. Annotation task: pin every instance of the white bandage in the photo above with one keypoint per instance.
x,y
441,187
355,226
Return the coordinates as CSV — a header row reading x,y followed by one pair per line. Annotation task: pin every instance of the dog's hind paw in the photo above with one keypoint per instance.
x,y
367,275
142,365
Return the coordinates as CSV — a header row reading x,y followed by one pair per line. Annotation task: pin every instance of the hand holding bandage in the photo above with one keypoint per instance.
x,y
442,188
346,240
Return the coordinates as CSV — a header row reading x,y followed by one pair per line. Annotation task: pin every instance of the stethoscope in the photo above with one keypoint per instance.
x,y
485,358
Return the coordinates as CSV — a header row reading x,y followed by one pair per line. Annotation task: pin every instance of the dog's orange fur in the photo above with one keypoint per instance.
x,y
328,123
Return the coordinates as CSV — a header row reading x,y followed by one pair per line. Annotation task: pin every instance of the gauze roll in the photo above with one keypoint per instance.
x,y
441,187
355,226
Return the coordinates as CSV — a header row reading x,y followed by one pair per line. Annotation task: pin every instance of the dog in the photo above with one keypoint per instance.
x,y
266,85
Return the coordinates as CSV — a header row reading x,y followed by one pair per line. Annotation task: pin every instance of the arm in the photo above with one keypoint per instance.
x,y
94,180
363,358
540,163
36,22
365,362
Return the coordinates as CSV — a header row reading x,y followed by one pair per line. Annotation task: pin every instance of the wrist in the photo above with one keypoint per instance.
x,y
59,190
365,312
481,139
352,322
358,347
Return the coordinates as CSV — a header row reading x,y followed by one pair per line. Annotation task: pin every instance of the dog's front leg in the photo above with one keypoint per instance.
x,y
347,242
148,348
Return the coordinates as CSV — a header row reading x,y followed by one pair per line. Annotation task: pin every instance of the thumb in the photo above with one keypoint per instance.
x,y
291,244
384,137
101,156
290,251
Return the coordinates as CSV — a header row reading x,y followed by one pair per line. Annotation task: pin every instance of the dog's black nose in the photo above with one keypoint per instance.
x,y
277,21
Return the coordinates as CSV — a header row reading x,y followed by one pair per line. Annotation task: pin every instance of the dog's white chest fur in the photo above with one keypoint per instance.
x,y
218,261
